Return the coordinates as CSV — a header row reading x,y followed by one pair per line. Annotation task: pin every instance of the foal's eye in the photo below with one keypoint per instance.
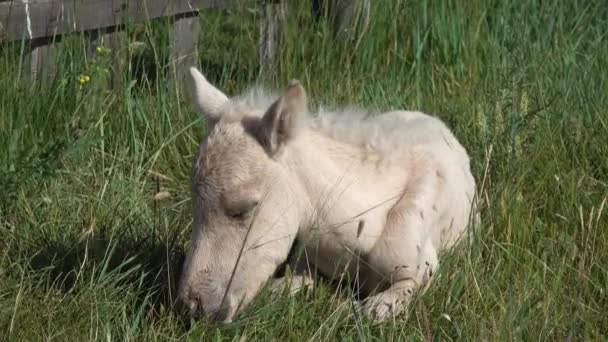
x,y
241,215
242,212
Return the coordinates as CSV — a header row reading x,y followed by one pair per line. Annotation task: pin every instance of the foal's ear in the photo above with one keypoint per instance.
x,y
206,98
281,121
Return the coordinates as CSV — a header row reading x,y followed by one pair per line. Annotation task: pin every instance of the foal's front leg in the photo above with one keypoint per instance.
x,y
403,285
296,276
294,283
404,255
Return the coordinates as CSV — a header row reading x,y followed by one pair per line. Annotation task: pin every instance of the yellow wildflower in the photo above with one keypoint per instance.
x,y
84,79
101,50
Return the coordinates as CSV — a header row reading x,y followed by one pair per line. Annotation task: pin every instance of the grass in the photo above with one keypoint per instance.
x,y
87,253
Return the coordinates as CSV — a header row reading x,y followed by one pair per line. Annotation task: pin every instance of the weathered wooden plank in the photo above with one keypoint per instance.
x,y
350,17
271,23
183,51
40,61
114,43
29,19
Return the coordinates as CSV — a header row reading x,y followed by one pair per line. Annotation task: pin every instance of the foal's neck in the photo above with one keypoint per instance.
x,y
327,169
320,159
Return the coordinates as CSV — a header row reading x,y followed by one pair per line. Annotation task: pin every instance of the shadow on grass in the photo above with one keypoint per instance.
x,y
148,266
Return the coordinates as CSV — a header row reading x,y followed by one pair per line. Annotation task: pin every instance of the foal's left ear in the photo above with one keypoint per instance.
x,y
281,121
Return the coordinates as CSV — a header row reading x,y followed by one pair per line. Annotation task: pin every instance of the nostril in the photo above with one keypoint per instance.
x,y
192,307
188,306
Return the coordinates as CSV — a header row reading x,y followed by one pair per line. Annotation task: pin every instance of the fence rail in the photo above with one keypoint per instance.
x,y
29,19
42,23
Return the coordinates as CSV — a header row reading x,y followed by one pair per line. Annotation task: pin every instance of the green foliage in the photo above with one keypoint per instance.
x,y
88,252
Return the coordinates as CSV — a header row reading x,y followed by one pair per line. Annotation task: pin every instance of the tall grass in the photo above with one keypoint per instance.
x,y
87,252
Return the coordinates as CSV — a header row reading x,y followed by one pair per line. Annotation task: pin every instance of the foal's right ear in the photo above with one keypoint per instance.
x,y
206,98
282,120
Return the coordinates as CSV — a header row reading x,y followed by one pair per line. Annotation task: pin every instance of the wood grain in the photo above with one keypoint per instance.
x,y
48,18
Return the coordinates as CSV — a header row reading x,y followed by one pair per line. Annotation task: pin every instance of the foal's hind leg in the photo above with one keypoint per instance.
x,y
404,256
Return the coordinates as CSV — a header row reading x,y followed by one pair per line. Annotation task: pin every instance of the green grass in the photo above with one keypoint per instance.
x,y
87,253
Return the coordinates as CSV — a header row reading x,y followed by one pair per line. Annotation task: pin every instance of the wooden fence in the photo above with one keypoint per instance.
x,y
43,23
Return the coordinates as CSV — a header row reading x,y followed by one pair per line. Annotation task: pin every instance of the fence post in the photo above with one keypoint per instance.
x,y
272,19
183,50
115,40
41,59
352,18
349,18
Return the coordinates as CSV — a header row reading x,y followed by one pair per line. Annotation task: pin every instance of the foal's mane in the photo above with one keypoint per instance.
x,y
352,125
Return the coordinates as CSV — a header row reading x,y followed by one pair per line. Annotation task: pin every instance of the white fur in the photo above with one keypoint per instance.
x,y
376,197
206,97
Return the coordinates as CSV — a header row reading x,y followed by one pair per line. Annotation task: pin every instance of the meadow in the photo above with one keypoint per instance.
x,y
95,195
